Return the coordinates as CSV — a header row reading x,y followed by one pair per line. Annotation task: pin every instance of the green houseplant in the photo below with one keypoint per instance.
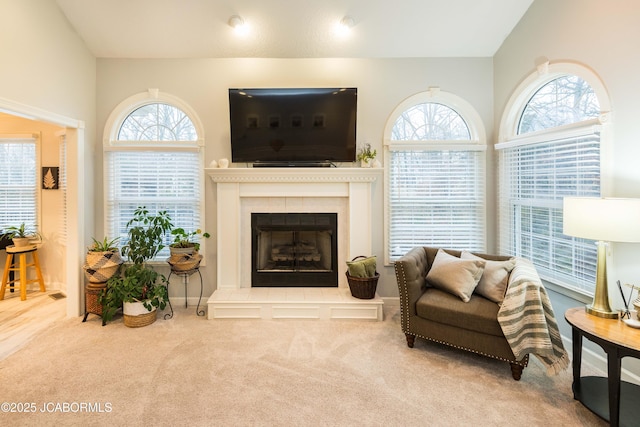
x,y
366,155
184,250
140,289
102,260
21,234
185,240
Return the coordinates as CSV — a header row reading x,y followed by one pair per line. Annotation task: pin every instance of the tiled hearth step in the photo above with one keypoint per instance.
x,y
292,303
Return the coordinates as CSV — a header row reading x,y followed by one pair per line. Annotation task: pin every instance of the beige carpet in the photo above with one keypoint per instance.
x,y
193,371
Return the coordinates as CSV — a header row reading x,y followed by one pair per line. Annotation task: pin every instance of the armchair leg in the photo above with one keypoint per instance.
x,y
410,340
516,371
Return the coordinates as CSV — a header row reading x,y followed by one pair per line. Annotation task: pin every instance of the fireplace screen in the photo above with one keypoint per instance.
x,y
294,249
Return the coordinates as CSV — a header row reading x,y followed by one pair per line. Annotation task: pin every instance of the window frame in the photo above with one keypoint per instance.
x,y
112,143
477,142
508,136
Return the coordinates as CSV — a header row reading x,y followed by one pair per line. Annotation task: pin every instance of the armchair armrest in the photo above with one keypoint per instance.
x,y
411,271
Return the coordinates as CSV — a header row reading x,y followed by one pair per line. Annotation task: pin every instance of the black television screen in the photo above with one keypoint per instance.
x,y
293,125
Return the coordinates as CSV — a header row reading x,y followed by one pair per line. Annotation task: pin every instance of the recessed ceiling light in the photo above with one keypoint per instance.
x,y
238,24
344,26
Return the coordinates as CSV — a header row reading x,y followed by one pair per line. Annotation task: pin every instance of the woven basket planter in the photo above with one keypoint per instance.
x,y
136,315
101,266
185,262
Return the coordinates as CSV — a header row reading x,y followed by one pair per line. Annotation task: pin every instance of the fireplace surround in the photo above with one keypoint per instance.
x,y
239,192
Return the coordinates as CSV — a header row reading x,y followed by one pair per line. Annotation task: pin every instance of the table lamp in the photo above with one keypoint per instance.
x,y
604,220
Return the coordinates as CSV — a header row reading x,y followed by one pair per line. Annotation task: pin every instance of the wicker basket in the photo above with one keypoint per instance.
x,y
363,287
136,315
183,263
140,320
101,266
91,300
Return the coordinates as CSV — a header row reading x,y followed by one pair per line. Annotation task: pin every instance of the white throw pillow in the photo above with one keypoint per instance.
x,y
455,275
494,280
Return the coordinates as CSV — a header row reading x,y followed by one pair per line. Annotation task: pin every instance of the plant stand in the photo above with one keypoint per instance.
x,y
185,280
91,304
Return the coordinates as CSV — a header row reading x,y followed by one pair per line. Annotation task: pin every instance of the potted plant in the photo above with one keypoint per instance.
x,y
21,235
140,290
102,260
184,250
183,242
366,155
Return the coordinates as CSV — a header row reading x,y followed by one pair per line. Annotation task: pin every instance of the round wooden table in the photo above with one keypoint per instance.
x,y
613,400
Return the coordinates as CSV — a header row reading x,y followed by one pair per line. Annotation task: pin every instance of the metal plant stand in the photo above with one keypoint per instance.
x,y
185,280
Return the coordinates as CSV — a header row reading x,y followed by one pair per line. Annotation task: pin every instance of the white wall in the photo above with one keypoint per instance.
x,y
382,84
48,71
603,36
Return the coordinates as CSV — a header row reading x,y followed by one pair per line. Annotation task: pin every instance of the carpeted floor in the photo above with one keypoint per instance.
x,y
193,371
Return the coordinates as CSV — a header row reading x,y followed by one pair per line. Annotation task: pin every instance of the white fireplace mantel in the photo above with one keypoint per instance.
x,y
243,190
296,175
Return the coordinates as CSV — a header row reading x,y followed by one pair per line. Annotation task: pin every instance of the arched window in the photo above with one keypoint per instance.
x,y
435,166
153,157
551,139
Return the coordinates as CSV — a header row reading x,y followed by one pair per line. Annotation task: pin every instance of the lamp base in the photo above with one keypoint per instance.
x,y
599,312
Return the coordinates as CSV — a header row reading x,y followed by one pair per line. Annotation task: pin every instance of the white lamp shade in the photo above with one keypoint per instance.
x,y
603,219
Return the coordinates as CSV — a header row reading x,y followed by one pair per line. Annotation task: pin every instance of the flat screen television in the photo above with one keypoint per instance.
x,y
293,127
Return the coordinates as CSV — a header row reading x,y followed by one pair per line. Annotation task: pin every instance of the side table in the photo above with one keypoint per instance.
x,y
613,400
185,279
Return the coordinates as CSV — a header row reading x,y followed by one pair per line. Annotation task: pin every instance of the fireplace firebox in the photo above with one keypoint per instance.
x,y
294,250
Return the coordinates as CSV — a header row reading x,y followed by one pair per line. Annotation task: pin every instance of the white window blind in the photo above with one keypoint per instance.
x,y
535,174
62,185
436,198
160,180
18,182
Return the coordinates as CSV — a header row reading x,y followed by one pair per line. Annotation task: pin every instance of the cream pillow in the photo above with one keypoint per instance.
x,y
454,275
494,280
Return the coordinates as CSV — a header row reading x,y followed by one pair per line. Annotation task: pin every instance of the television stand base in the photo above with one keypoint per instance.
x,y
322,164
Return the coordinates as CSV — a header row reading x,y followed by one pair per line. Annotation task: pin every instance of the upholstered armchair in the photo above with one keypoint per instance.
x,y
462,317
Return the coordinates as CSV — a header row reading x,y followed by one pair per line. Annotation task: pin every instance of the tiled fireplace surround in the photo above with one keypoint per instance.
x,y
242,191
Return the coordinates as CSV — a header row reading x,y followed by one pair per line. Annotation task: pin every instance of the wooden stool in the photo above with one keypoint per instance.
x,y
22,269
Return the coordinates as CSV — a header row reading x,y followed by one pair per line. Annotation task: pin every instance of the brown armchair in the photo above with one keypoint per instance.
x,y
437,315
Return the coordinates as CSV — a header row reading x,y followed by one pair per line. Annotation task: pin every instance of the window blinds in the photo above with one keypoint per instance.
x,y
18,182
159,180
534,177
436,198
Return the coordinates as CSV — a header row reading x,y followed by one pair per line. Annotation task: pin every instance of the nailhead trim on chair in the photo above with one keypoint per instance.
x,y
524,362
404,317
404,321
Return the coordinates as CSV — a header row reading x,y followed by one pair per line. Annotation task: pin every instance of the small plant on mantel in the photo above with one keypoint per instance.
x,y
366,155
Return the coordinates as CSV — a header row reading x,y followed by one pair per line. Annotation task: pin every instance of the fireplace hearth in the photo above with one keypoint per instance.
x,y
294,250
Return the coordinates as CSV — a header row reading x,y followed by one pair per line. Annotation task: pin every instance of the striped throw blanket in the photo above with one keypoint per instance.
x,y
527,320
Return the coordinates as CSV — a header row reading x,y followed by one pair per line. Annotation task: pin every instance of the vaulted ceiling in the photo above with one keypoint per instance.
x,y
293,28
